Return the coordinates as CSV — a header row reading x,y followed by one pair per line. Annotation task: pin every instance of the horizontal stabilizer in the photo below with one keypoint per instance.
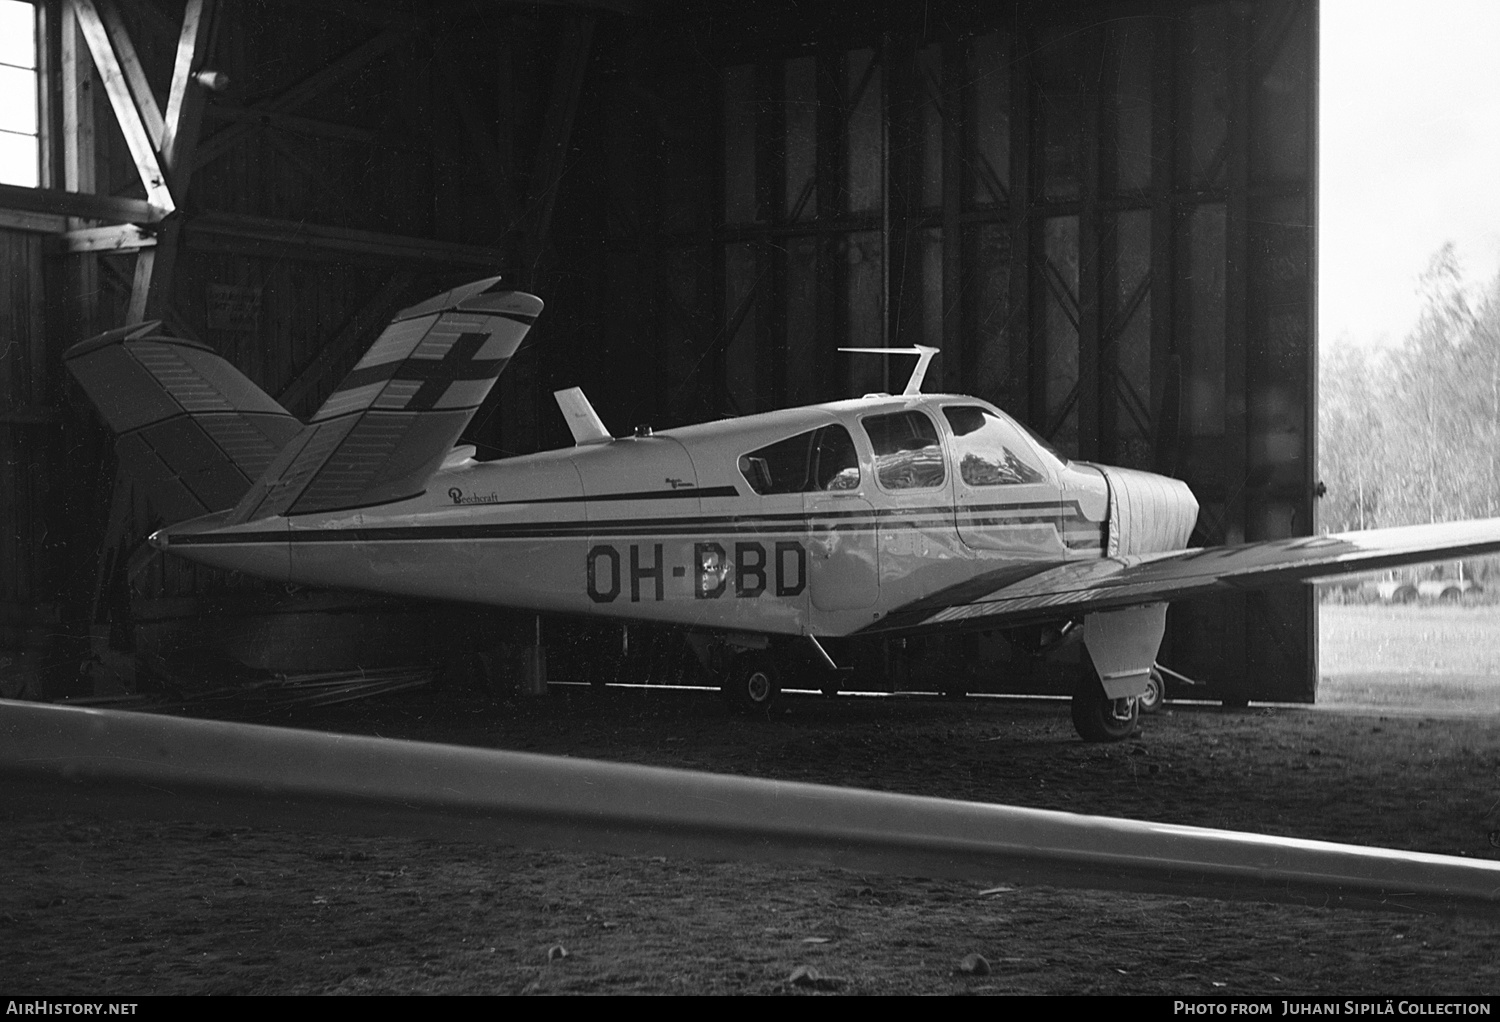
x,y
190,429
393,420
583,421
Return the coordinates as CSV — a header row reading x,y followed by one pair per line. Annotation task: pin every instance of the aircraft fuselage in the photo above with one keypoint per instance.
x,y
816,520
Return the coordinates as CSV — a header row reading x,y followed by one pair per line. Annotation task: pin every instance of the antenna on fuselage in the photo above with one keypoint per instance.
x,y
924,355
583,422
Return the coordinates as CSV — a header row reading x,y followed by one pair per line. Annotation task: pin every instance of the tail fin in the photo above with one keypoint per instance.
x,y
190,428
387,428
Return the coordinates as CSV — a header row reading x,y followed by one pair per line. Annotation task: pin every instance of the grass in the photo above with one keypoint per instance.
x,y
1420,657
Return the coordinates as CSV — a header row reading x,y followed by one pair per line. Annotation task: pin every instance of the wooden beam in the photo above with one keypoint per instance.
x,y
80,291
1095,390
252,235
113,238
300,125
960,373
77,114
479,138
1234,677
185,103
135,74
1166,361
557,130
34,223
176,325
1027,378
154,270
222,141
141,281
49,94
55,202
332,200
137,139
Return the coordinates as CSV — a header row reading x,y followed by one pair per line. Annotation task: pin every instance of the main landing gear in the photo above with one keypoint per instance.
x,y
1098,718
1121,644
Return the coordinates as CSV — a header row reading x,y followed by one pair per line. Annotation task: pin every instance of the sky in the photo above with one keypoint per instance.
x,y
1409,156
18,159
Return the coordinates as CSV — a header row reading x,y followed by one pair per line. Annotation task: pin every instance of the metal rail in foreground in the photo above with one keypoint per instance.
x,y
134,765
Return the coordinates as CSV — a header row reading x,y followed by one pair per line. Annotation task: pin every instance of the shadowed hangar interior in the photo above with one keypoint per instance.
x,y
1102,213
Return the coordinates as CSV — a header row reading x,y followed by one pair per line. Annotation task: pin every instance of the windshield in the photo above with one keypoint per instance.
x,y
989,449
1044,445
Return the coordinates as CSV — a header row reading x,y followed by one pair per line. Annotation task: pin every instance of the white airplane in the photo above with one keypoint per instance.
x,y
887,513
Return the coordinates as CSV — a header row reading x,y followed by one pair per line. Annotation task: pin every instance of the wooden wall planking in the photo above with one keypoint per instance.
x,y
28,441
380,149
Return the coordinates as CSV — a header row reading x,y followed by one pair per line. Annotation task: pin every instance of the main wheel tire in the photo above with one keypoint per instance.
x,y
751,684
1155,694
1098,718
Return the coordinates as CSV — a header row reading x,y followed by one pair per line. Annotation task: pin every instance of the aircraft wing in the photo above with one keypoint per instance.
x,y
1018,595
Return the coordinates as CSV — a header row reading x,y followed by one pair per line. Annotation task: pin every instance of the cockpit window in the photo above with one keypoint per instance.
x,y
822,459
1041,442
989,449
908,453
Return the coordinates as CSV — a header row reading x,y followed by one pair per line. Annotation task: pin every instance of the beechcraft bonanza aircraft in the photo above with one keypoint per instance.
x,y
881,514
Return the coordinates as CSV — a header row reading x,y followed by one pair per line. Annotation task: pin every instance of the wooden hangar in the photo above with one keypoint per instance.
x,y
1102,213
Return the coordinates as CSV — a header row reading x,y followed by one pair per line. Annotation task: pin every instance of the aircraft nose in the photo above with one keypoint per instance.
x,y
1148,513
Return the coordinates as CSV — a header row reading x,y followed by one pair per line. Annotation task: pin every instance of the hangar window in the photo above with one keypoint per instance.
x,y
908,454
20,162
820,459
990,451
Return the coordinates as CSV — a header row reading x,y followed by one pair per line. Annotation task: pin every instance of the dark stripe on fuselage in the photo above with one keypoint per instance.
x,y
679,494
935,519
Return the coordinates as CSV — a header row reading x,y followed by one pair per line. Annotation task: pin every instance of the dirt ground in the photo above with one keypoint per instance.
x,y
90,906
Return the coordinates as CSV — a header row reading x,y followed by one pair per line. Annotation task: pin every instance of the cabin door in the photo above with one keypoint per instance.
x,y
1006,503
912,491
843,563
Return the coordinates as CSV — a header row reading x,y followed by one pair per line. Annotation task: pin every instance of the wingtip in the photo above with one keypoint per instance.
x,y
104,340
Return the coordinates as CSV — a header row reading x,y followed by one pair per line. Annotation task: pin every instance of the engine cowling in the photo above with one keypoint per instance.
x,y
1148,513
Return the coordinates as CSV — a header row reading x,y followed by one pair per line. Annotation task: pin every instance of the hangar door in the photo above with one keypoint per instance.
x,y
1103,215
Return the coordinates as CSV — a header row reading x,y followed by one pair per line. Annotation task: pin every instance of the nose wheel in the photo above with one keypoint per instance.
x,y
1098,718
750,682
